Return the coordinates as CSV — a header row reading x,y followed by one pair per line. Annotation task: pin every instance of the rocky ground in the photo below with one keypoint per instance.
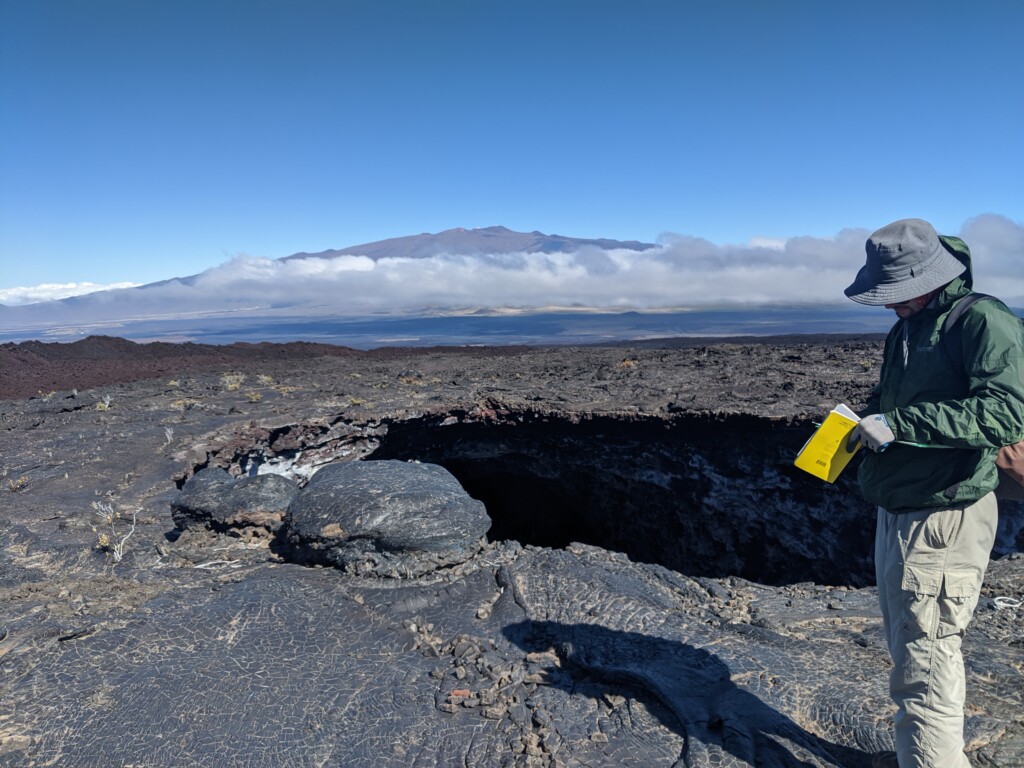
x,y
659,585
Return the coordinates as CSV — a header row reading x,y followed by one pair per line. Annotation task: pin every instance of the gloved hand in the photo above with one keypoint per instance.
x,y
873,432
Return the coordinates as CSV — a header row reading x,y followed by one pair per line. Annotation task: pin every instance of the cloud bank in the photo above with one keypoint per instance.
x,y
52,291
681,272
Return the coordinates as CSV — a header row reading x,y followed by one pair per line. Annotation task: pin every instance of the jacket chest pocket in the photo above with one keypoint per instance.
x,y
928,376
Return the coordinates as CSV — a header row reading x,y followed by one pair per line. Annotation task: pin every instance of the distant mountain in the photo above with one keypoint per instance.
x,y
244,291
456,242
473,242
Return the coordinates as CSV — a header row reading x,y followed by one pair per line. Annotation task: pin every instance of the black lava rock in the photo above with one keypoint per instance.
x,y
213,499
398,515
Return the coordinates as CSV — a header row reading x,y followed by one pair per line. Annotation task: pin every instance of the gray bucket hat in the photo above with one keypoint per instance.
x,y
906,259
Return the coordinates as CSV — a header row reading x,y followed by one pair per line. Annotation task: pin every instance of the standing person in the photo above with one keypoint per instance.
x,y
943,405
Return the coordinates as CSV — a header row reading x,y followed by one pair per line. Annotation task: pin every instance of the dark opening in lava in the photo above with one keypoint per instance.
x,y
528,509
705,496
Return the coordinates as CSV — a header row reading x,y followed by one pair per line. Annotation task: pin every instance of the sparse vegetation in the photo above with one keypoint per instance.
x,y
104,404
19,484
265,380
232,381
253,397
168,435
112,542
46,396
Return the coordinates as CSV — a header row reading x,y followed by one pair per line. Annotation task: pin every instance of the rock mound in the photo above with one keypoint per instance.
x,y
249,507
385,517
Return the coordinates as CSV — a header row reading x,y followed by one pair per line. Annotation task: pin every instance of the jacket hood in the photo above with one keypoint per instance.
x,y
959,249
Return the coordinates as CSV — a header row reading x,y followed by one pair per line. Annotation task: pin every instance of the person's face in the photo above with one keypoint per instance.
x,y
911,307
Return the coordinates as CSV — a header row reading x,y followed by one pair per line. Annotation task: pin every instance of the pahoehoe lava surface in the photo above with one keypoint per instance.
x,y
657,585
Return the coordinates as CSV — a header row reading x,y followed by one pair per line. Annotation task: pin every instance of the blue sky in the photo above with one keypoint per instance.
x,y
145,140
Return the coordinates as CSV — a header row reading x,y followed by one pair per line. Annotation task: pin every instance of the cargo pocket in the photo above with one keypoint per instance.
x,y
918,626
921,588
959,598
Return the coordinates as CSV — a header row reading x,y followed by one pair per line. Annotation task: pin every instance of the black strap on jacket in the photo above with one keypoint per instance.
x,y
954,315
960,307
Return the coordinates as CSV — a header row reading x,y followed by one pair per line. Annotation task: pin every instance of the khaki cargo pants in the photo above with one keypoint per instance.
x,y
929,566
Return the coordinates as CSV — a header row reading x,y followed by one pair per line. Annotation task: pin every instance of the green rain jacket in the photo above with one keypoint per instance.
x,y
962,396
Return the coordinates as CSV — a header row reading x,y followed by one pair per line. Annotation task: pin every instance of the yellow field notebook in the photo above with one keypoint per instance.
x,y
825,454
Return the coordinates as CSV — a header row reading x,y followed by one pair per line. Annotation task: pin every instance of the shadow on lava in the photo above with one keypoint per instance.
x,y
700,702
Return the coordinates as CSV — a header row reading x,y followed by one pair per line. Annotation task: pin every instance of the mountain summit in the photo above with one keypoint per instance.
x,y
472,242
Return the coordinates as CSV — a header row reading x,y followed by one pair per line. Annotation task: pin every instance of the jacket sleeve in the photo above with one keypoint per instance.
x,y
990,343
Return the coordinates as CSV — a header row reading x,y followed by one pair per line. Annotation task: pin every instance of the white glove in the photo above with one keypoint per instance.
x,y
873,432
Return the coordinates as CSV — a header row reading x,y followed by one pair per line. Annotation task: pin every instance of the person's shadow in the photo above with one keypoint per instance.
x,y
715,717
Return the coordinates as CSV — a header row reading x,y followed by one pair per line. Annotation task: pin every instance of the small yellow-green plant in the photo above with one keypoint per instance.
x,y
17,485
112,542
253,397
265,380
232,381
104,404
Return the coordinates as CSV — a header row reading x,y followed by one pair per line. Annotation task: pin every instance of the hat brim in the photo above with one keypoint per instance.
x,y
871,288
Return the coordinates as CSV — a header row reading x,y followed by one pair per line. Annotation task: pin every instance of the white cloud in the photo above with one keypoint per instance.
x,y
682,271
774,243
997,251
52,291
